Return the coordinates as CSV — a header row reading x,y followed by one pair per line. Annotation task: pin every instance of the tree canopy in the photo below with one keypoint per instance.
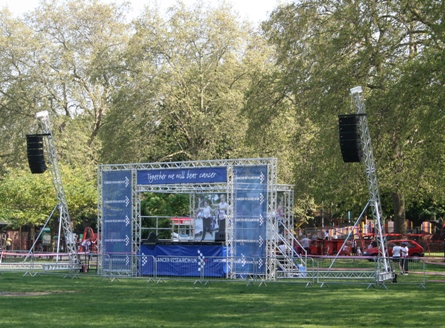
x,y
392,49
196,82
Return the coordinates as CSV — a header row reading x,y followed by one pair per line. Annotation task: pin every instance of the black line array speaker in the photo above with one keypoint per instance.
x,y
36,158
350,145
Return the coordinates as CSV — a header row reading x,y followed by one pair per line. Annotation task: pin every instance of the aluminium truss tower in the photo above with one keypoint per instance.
x,y
65,220
370,168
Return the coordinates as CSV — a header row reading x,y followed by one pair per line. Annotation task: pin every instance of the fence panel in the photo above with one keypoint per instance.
x,y
345,269
369,270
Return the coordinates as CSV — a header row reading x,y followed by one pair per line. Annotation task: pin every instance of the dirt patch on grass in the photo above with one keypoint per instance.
x,y
442,281
33,293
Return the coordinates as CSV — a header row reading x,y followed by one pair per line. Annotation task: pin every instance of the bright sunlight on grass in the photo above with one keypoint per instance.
x,y
90,301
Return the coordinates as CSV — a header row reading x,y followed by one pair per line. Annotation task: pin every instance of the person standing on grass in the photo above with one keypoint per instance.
x,y
8,242
353,246
404,258
396,254
306,242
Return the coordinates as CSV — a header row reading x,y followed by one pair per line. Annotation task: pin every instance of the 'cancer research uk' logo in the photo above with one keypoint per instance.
x,y
201,261
144,259
262,177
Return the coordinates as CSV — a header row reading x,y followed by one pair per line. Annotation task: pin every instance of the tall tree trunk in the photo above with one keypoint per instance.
x,y
398,202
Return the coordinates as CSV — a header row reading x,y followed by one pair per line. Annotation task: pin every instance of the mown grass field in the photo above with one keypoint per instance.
x,y
90,301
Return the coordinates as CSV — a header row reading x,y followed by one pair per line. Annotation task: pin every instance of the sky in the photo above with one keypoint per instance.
x,y
253,10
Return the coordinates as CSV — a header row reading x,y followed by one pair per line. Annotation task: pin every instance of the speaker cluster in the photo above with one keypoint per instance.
x,y
350,145
36,157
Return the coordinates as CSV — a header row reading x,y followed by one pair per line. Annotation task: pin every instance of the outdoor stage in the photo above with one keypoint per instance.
x,y
237,201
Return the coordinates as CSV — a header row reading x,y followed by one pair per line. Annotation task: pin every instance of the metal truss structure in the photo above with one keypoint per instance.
x,y
65,221
282,264
371,172
273,191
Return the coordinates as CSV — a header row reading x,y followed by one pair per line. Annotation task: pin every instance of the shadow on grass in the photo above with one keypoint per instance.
x,y
51,301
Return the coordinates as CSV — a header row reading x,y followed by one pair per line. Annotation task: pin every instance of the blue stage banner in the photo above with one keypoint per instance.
x,y
250,209
117,212
176,176
252,176
184,260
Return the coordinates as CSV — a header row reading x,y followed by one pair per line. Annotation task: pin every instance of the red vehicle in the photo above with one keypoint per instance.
x,y
414,249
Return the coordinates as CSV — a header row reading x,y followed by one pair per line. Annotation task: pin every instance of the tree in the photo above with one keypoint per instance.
x,y
84,41
324,48
183,90
18,89
27,198
63,57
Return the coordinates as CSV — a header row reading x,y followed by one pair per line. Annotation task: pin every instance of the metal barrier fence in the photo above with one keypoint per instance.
x,y
344,269
37,264
323,270
369,270
410,271
302,270
201,269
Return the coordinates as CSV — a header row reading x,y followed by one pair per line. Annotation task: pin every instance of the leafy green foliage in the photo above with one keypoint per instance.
x,y
165,204
391,48
196,83
27,198
157,209
183,89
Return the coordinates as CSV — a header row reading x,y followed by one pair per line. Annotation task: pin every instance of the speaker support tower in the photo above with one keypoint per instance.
x,y
383,269
36,146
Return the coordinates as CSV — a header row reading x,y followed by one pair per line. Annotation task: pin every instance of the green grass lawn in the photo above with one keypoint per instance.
x,y
51,301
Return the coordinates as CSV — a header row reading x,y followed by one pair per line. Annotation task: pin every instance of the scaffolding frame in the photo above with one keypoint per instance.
x,y
368,160
62,205
194,189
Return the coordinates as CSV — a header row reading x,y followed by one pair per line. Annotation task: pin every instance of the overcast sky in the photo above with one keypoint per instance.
x,y
254,10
